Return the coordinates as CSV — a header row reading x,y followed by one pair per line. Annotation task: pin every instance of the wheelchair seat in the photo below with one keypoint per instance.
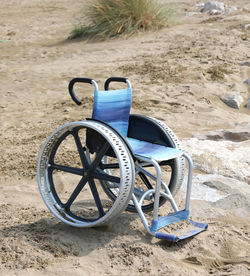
x,y
154,151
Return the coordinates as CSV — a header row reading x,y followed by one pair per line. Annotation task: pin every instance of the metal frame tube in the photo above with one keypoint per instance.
x,y
169,195
95,85
129,84
154,178
157,191
141,214
157,186
189,181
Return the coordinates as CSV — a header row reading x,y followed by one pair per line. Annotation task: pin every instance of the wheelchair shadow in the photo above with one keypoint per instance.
x,y
60,240
48,239
172,247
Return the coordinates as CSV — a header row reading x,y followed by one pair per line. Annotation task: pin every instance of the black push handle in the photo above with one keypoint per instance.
x,y
116,79
71,87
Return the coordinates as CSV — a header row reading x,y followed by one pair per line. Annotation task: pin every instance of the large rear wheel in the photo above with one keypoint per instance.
x,y
70,168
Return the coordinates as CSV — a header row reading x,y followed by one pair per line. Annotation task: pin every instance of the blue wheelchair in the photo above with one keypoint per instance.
x,y
90,171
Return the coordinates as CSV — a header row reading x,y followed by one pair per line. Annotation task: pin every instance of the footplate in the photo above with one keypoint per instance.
x,y
183,234
181,226
192,228
167,220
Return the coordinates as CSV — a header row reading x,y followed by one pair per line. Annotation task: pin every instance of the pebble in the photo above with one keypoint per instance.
x,y
247,63
201,5
233,101
247,26
248,103
239,133
231,10
247,82
192,13
213,7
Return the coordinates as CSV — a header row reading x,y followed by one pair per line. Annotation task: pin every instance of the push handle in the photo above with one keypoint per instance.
x,y
116,79
71,87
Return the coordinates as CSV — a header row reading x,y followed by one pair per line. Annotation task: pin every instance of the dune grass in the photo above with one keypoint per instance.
x,y
115,18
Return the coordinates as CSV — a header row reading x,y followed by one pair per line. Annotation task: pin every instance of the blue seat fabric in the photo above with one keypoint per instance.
x,y
113,108
149,150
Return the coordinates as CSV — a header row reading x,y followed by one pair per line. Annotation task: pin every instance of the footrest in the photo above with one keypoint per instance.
x,y
171,218
182,234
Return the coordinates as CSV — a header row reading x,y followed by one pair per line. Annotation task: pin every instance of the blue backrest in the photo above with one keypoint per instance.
x,y
113,108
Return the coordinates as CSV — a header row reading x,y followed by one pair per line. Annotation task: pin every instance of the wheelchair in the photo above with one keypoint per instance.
x,y
90,171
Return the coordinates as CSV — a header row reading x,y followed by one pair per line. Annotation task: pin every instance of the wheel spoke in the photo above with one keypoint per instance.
x,y
99,174
76,192
83,157
100,155
96,197
63,168
109,166
145,180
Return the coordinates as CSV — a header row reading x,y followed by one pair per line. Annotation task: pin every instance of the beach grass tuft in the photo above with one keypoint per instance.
x,y
116,18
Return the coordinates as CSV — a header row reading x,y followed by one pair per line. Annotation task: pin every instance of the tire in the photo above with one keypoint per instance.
x,y
67,172
179,163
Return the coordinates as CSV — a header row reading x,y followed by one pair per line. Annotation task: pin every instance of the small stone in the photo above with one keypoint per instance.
x,y
233,101
11,33
247,82
213,7
247,26
214,12
192,13
248,103
231,10
247,63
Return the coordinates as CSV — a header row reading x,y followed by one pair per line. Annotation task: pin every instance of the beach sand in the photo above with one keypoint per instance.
x,y
178,75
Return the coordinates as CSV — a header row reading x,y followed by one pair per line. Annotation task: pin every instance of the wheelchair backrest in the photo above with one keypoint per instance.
x,y
113,108
110,106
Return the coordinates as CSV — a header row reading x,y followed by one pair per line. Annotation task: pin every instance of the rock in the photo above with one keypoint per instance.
x,y
223,157
247,26
233,101
213,7
201,5
192,13
214,12
247,63
239,133
247,82
248,103
224,192
235,136
231,10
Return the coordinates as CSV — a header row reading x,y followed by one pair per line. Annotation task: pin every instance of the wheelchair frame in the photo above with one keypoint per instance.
x,y
103,140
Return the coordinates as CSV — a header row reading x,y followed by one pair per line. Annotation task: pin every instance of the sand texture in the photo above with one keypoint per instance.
x,y
178,75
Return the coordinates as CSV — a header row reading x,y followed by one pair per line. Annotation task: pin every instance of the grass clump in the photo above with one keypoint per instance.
x,y
114,18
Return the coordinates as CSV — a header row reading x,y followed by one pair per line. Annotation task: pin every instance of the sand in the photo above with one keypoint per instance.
x,y
178,75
